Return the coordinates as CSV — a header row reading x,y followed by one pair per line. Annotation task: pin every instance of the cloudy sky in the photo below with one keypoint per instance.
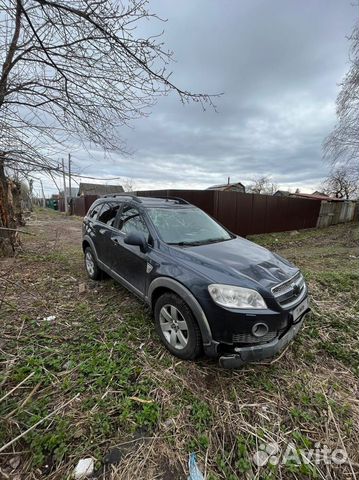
x,y
278,64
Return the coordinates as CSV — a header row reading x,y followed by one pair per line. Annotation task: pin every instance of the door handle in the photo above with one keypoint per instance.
x,y
115,241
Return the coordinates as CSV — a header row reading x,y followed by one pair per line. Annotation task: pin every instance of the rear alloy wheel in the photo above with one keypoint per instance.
x,y
177,327
91,266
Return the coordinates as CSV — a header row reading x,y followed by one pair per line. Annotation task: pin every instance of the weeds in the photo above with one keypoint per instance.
x,y
155,408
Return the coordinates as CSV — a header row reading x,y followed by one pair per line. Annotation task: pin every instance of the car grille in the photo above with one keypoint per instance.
x,y
291,291
249,338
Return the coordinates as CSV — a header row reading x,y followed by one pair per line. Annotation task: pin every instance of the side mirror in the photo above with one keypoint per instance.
x,y
138,239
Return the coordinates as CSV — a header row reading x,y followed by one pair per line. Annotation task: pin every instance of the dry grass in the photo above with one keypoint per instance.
x,y
97,377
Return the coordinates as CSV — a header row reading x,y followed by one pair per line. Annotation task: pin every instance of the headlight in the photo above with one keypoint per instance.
x,y
236,297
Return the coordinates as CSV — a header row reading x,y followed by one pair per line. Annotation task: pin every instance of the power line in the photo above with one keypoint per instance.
x,y
95,178
59,170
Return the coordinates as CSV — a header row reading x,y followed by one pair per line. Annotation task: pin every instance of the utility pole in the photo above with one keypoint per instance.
x,y
70,175
64,177
43,194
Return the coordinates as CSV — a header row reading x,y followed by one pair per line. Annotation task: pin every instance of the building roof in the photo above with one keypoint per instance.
x,y
98,189
320,193
283,193
223,186
311,196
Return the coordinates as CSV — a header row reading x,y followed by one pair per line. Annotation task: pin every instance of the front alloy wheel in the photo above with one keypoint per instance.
x,y
177,326
174,327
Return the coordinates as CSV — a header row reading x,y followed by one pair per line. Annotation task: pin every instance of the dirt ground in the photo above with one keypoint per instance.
x,y
83,374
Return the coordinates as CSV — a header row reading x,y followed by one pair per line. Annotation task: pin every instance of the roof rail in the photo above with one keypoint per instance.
x,y
177,199
122,194
139,200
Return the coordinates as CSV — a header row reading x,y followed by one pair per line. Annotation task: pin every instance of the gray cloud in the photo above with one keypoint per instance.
x,y
278,63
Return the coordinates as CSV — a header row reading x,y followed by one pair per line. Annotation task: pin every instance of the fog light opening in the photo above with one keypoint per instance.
x,y
260,329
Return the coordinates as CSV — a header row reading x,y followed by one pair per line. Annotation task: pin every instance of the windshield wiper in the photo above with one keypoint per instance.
x,y
185,243
198,242
214,240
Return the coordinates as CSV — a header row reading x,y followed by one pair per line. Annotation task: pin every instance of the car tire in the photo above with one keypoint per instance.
x,y
177,327
91,266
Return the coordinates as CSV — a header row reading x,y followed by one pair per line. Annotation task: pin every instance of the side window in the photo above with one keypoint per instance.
x,y
93,212
131,221
108,213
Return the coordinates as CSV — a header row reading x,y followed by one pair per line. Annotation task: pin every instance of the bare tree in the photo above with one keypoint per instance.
x,y
263,185
342,182
77,70
128,185
342,145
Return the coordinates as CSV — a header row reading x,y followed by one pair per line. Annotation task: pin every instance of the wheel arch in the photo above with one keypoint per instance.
x,y
87,242
165,284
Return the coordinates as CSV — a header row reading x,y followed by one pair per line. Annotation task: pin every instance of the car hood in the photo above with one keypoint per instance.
x,y
237,261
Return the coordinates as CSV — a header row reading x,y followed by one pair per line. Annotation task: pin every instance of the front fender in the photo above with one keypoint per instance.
x,y
189,298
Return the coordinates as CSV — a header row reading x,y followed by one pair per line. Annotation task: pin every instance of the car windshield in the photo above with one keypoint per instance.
x,y
187,226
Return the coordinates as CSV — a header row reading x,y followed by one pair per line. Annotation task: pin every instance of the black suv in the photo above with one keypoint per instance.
x,y
209,289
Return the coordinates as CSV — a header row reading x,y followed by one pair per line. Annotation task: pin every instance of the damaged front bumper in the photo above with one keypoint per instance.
x,y
255,353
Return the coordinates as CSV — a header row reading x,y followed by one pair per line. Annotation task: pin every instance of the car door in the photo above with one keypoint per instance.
x,y
129,262
104,230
